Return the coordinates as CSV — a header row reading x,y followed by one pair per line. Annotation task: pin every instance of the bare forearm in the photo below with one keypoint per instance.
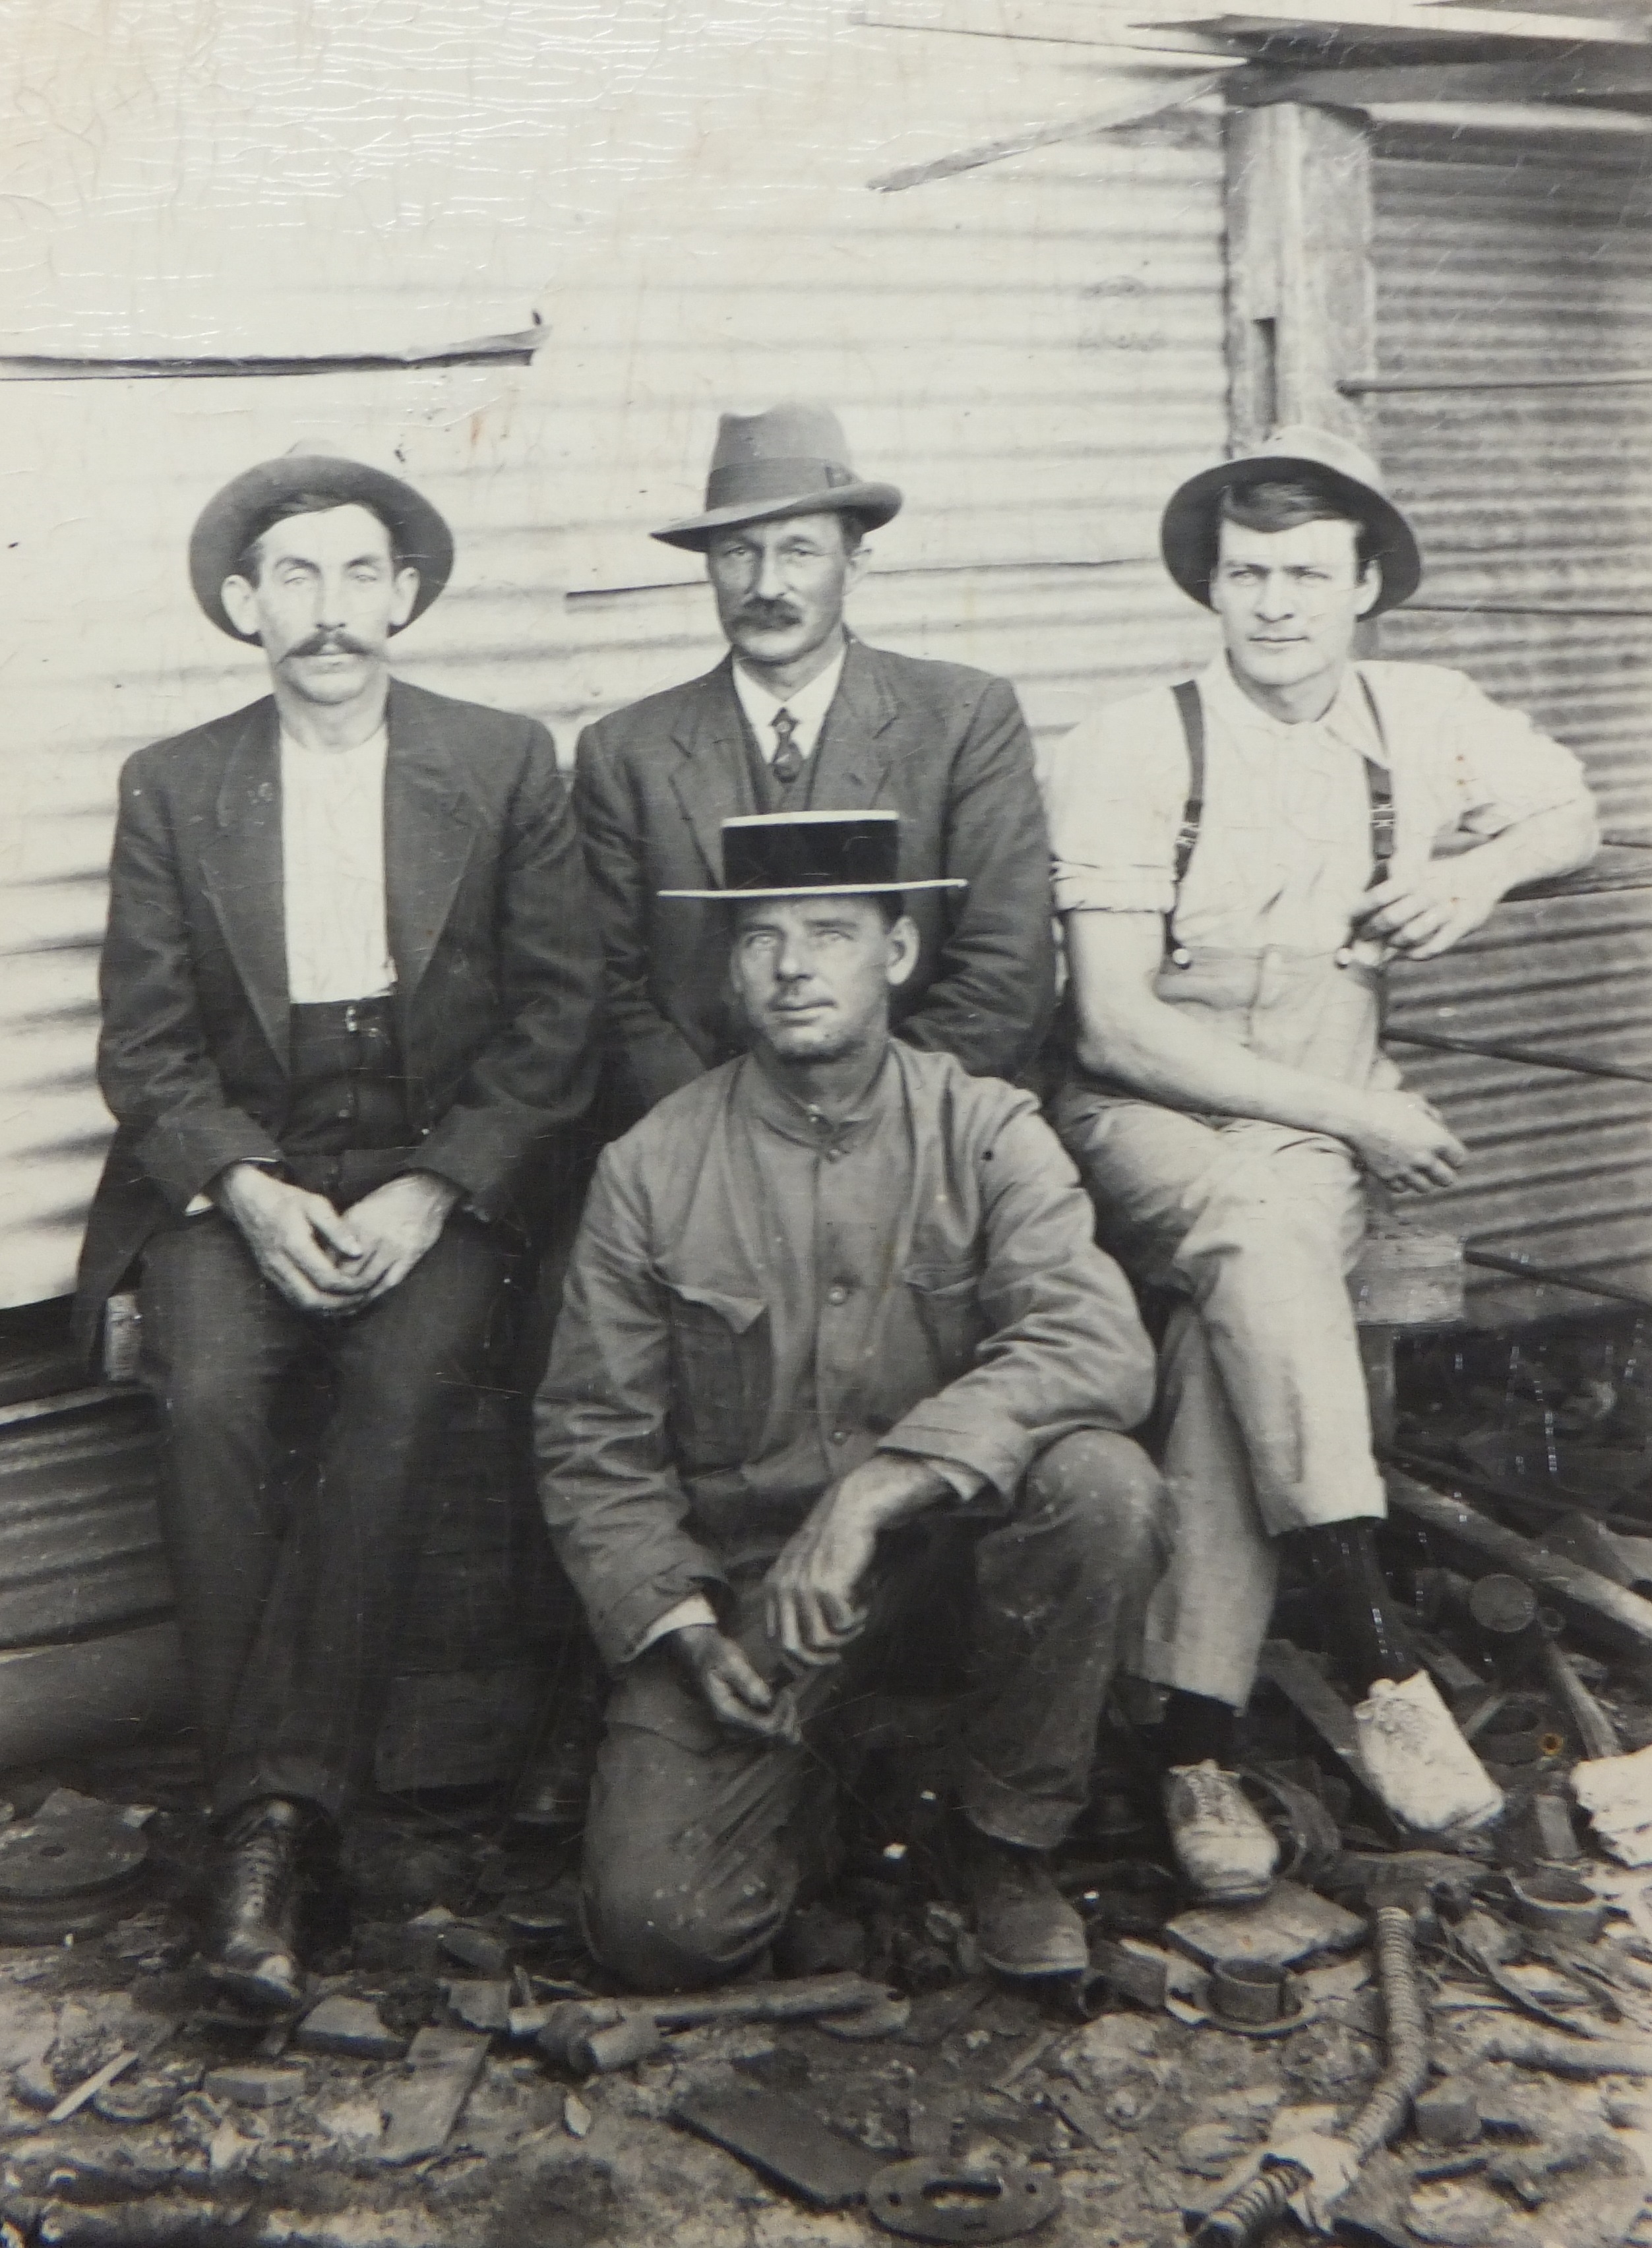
x,y
1155,1053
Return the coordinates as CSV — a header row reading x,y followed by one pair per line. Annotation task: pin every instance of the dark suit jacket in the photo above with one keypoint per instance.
x,y
945,746
497,965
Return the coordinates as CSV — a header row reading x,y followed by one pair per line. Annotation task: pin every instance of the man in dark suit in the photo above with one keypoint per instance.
x,y
801,716
347,988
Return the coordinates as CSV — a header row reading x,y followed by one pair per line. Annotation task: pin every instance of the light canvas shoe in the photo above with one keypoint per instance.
x,y
1221,1842
1419,1762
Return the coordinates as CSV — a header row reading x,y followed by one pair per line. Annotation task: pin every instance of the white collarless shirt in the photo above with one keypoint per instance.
x,y
808,707
333,862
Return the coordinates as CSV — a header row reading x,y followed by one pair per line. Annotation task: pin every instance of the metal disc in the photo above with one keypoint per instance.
x,y
47,1860
926,2200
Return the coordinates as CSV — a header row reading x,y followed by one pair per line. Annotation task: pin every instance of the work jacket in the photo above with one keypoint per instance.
x,y
759,1299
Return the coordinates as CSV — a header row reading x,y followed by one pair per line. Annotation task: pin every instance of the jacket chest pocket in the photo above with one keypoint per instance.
x,y
719,1373
944,1296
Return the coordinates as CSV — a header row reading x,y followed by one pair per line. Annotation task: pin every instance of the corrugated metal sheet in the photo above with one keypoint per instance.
x,y
1511,260
1034,351
80,1548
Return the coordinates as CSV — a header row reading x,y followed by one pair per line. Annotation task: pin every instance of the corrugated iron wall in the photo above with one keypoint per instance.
x,y
1033,350
1507,261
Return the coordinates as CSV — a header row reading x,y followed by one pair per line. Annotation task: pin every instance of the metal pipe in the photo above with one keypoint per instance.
x,y
1559,1277
1366,386
1245,2216
1487,1051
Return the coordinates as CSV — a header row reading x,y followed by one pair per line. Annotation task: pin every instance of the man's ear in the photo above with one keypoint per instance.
x,y
1370,587
859,563
240,605
904,947
406,593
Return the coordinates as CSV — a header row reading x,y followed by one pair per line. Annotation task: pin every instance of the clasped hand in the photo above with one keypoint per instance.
x,y
325,1262
814,1596
1424,914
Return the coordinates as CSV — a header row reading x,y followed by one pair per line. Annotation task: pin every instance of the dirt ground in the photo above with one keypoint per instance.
x,y
1133,2103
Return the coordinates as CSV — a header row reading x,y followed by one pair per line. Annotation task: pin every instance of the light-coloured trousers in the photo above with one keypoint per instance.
x,y
1254,1229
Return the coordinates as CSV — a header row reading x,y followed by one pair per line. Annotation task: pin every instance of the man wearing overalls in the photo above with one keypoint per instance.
x,y
1235,860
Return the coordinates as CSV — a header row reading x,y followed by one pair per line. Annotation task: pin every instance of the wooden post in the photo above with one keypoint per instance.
x,y
1301,289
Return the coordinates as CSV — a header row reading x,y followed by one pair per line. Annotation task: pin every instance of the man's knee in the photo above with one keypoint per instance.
x,y
650,1919
1296,1205
1104,1490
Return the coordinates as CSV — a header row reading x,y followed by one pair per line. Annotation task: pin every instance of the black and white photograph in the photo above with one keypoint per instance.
x,y
825,1124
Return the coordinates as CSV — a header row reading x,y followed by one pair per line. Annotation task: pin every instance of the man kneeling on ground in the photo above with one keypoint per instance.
x,y
836,1338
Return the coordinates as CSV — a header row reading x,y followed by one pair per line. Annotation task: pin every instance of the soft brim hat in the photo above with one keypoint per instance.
x,y
236,515
813,854
792,459
1336,466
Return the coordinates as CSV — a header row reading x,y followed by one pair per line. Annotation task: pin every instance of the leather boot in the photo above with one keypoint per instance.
x,y
1023,1923
251,1945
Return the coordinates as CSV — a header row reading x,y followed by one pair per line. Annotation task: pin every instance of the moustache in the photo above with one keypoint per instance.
x,y
768,613
329,644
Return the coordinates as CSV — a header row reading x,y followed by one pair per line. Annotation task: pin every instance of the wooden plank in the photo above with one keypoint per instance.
x,y
1591,1603
423,2108
1301,287
1076,22
1584,78
1308,1692
1369,22
1047,136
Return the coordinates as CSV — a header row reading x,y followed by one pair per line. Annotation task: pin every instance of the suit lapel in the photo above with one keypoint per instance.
x,y
429,835
241,869
855,748
710,778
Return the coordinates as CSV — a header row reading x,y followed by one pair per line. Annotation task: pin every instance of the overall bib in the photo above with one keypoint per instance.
x,y
1253,1229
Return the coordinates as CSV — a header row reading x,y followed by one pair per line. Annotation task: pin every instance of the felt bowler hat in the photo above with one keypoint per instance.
x,y
810,854
248,505
1334,465
793,460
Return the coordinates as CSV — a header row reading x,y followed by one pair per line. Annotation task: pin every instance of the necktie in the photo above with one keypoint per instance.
x,y
788,758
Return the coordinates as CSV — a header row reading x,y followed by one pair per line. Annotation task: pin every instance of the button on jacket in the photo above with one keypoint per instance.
x,y
761,1299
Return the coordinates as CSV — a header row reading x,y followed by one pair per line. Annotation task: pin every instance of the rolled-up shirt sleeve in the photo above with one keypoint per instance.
x,y
1504,768
1113,791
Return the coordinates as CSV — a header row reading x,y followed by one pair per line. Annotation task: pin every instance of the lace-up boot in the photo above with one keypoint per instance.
x,y
1023,1923
1220,1842
1418,1762
251,1945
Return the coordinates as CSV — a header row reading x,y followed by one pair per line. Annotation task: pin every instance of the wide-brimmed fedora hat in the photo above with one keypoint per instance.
x,y
812,854
1334,465
233,517
793,460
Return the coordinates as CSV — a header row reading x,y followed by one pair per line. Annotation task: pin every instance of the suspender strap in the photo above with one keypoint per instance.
x,y
1379,784
1378,789
1190,711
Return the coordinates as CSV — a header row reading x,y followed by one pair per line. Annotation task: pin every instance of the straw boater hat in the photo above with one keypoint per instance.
x,y
793,460
1335,466
813,854
245,506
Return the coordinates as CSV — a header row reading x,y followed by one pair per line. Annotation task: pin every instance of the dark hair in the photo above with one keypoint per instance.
x,y
1274,505
854,529
250,561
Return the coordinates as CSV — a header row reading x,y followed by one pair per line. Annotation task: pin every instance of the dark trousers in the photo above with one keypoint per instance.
x,y
699,1839
290,1600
